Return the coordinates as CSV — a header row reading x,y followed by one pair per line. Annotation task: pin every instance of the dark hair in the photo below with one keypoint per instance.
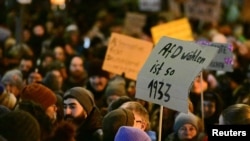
x,y
214,97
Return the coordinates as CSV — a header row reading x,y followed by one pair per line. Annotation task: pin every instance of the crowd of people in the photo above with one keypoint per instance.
x,y
53,87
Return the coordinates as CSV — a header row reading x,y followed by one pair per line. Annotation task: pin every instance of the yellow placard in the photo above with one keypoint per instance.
x,y
178,29
126,55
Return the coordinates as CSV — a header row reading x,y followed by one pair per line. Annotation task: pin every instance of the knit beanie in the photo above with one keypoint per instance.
x,y
83,96
183,118
118,102
13,77
39,94
115,88
8,99
113,120
19,126
126,133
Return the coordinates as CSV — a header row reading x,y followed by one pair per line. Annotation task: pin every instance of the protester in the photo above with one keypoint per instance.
x,y
115,89
19,126
46,125
13,82
97,82
42,95
114,120
212,108
77,75
26,66
80,108
186,127
118,102
141,117
8,100
236,114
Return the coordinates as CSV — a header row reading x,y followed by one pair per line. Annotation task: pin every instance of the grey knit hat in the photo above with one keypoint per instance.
x,y
83,96
183,118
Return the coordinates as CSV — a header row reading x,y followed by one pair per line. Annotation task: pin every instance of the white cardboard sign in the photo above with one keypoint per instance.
x,y
169,71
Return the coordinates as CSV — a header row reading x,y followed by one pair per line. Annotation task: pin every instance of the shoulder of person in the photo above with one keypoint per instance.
x,y
202,137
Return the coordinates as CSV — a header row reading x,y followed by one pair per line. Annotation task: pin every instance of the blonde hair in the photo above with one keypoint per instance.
x,y
139,109
236,114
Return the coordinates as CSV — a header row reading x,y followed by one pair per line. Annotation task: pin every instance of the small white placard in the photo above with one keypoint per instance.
x,y
223,61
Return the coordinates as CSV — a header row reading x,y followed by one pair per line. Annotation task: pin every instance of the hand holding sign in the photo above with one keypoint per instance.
x,y
166,76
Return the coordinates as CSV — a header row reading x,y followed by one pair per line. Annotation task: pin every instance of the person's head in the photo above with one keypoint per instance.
x,y
78,104
26,65
131,88
13,81
186,126
127,133
19,126
59,53
34,77
8,99
59,66
53,80
115,89
76,67
98,78
113,120
41,95
235,114
118,102
140,113
72,34
38,112
46,59
64,131
200,83
212,104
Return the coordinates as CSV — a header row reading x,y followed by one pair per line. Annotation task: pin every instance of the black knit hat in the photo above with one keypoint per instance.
x,y
118,102
185,118
113,120
83,96
19,126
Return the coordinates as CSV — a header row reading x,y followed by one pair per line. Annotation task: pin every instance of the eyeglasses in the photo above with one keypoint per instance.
x,y
138,121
